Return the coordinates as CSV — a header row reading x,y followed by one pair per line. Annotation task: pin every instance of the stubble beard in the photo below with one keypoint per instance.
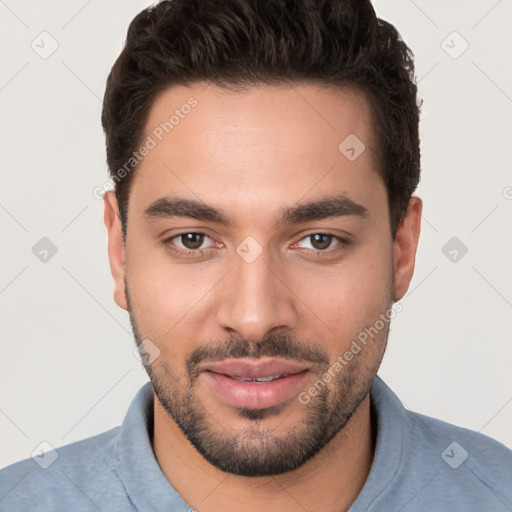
x,y
256,449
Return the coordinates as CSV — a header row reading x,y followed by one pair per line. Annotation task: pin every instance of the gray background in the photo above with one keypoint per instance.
x,y
67,368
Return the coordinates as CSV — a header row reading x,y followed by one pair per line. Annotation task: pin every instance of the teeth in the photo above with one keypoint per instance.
x,y
258,379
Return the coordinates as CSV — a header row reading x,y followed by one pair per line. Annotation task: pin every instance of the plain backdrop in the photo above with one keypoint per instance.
x,y
67,368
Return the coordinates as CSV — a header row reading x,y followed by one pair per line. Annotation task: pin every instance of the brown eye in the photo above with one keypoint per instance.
x,y
320,241
323,242
192,240
191,244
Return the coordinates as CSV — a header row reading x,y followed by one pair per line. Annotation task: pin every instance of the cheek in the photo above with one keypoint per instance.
x,y
349,297
165,297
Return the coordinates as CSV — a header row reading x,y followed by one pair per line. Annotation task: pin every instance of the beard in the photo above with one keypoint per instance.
x,y
255,449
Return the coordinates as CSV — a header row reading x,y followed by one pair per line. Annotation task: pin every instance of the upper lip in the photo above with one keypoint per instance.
x,y
254,368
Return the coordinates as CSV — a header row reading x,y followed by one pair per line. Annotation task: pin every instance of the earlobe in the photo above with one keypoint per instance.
x,y
405,246
116,248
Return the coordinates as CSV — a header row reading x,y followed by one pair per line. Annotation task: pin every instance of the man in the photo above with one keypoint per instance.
x,y
261,234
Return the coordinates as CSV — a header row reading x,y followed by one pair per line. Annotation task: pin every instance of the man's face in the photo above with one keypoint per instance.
x,y
246,292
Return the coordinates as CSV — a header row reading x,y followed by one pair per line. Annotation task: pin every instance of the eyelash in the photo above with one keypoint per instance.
x,y
341,245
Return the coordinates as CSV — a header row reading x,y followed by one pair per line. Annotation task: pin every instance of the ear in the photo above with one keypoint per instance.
x,y
116,250
405,245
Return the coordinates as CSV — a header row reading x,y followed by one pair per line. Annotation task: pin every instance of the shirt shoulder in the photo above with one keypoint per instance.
x,y
486,456
464,466
78,476
423,463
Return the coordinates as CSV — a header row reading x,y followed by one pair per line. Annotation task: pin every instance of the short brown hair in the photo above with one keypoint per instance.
x,y
239,43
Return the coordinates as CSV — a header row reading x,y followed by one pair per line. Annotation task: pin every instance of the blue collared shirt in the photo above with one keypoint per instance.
x,y
420,464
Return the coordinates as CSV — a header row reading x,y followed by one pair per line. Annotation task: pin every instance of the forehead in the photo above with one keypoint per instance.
x,y
271,144
290,113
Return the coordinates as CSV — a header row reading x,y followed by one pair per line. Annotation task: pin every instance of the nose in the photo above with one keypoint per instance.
x,y
255,300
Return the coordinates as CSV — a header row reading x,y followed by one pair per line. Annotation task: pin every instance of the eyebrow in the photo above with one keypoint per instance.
x,y
334,206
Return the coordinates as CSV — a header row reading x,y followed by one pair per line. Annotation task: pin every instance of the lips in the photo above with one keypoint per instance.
x,y
255,369
254,384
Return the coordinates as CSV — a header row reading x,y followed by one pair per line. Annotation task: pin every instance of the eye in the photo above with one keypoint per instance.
x,y
187,242
323,242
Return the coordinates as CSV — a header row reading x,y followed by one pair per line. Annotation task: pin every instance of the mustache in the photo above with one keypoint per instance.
x,y
272,346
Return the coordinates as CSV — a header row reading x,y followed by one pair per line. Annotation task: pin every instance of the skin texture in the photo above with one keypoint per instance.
x,y
251,154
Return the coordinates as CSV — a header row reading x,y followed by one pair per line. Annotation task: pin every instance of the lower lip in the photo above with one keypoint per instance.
x,y
255,395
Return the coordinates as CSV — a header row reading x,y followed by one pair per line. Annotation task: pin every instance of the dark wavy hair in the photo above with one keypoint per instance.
x,y
237,44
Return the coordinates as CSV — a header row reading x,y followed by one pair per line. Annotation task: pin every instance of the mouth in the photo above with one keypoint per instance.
x,y
258,379
254,384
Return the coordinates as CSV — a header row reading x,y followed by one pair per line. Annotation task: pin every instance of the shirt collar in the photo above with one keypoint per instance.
x,y
391,444
146,485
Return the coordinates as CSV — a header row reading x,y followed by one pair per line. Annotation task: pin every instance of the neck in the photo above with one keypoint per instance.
x,y
330,481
